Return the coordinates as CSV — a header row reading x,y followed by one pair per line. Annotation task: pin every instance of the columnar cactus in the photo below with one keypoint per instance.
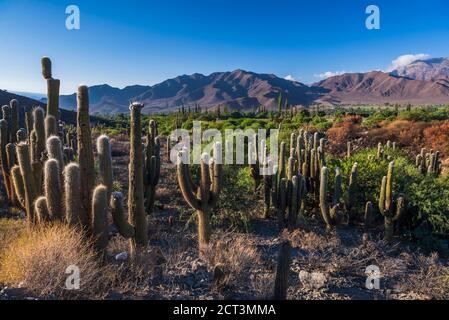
x,y
352,191
391,209
86,156
282,272
41,209
152,166
26,171
99,218
14,123
4,141
136,208
105,162
368,214
331,213
38,134
19,188
119,217
72,186
53,86
254,163
55,151
202,197
51,126
53,187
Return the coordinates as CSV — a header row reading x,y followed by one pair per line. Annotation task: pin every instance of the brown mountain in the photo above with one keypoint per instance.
x,y
238,90
379,87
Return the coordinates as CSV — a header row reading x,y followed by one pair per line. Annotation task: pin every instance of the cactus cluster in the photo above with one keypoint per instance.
x,y
152,166
390,207
429,162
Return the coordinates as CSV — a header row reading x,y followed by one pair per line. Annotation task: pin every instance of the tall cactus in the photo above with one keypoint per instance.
x,y
52,187
392,209
202,197
14,123
26,172
38,133
105,162
152,166
99,218
282,271
53,86
330,212
4,141
86,156
72,183
136,209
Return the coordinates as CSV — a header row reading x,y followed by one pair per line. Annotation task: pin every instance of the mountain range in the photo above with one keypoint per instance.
x,y
421,82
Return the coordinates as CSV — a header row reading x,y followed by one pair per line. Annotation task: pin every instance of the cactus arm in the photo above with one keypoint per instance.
x,y
184,181
105,162
389,188
118,216
324,206
282,272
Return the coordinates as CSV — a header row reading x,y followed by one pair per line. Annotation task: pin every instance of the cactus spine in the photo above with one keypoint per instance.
x,y
202,197
52,188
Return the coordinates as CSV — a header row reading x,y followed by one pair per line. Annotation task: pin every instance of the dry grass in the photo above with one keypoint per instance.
x,y
9,231
37,260
236,256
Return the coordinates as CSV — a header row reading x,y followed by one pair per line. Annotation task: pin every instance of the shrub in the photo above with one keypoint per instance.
x,y
38,260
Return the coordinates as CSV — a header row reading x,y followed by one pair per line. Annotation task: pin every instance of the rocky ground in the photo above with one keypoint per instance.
x,y
242,265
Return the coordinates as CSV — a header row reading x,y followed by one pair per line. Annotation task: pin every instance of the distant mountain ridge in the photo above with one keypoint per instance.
x,y
422,82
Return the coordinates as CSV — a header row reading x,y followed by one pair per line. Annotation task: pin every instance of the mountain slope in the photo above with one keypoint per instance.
x,y
115,99
430,69
379,87
238,90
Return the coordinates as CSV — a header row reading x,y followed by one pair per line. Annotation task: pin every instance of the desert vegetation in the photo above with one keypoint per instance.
x,y
353,187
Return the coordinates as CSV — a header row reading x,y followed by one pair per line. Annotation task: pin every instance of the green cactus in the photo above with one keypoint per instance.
x,y
41,209
37,138
152,166
26,171
99,218
55,151
72,186
282,272
368,214
14,123
254,164
4,141
136,208
105,162
391,209
351,204
331,213
52,189
86,156
51,126
119,217
202,197
18,185
53,86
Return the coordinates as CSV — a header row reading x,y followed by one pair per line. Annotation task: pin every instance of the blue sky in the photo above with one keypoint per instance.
x,y
146,42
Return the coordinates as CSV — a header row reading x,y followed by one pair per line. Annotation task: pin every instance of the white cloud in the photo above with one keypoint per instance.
x,y
405,60
329,74
290,78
